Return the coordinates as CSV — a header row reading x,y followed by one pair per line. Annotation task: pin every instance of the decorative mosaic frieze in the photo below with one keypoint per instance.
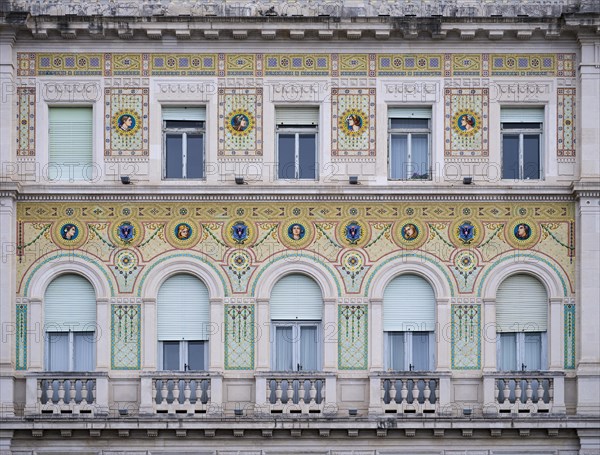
x,y
353,122
126,121
357,65
412,65
466,122
353,337
239,337
126,65
240,118
125,342
466,65
569,329
239,65
183,64
26,121
26,64
565,127
69,64
21,337
561,65
297,65
466,337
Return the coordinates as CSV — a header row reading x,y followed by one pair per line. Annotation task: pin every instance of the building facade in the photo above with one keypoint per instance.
x,y
300,227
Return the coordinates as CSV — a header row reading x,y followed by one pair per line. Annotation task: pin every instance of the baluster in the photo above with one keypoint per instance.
x,y
540,392
61,392
426,392
393,391
42,391
313,391
301,391
518,391
415,391
550,391
164,391
404,391
84,388
507,392
528,391
278,392
497,391
176,391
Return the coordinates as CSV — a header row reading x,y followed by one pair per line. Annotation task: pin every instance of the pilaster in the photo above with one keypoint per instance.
x,y
217,336
376,336
263,347
488,327
149,343
330,345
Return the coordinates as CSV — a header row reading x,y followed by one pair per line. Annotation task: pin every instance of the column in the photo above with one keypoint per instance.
x,y
149,335
588,100
376,337
556,335
330,345
36,335
217,336
263,335
103,335
488,335
444,342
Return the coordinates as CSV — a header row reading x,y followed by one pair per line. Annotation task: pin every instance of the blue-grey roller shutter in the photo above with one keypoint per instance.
x,y
70,305
296,297
408,305
521,305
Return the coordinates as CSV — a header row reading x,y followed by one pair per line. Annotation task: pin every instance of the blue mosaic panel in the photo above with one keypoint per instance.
x,y
466,337
353,337
21,339
569,328
125,341
239,337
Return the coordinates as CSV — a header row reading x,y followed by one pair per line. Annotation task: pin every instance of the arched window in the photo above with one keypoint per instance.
x,y
183,313
296,308
409,323
70,324
521,323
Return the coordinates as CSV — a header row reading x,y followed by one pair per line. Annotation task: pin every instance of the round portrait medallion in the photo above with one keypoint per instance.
x,y
522,233
125,122
182,233
353,122
410,233
69,233
296,233
466,122
240,122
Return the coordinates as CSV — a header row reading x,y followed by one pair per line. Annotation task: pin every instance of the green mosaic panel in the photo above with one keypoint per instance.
x,y
353,337
569,328
25,121
126,138
565,128
21,339
125,342
466,337
239,337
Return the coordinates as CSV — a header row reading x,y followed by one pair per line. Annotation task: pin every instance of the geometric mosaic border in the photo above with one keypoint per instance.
x,y
565,118
353,337
239,337
466,337
21,338
26,121
569,328
125,341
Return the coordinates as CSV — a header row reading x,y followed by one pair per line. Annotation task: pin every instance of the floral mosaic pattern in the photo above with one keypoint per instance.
x,y
466,122
353,122
126,322
411,65
126,122
353,337
70,64
566,99
466,337
240,117
569,328
183,64
297,64
21,338
26,121
239,337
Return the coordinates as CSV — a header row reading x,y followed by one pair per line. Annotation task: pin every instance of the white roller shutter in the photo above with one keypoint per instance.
x,y
297,115
408,305
70,142
521,305
184,113
296,297
183,309
522,115
70,304
409,112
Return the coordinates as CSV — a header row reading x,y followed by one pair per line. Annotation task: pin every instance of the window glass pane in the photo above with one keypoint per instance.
x,y
174,159
507,360
196,355
419,162
409,123
420,351
84,345
284,359
398,156
531,156
533,351
286,158
171,355
58,351
510,156
307,158
309,343
396,351
195,156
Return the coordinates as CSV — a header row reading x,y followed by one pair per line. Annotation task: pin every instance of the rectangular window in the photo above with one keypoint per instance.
x,y
297,347
297,130
409,143
70,140
184,355
183,142
522,143
410,351
522,351
71,351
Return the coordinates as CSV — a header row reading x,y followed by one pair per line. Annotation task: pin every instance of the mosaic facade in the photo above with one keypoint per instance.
x,y
239,337
570,325
126,121
125,336
21,337
240,122
466,336
565,129
353,337
353,122
466,122
26,106
296,65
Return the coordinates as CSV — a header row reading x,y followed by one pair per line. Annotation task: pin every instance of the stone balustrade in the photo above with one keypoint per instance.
x,y
67,393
